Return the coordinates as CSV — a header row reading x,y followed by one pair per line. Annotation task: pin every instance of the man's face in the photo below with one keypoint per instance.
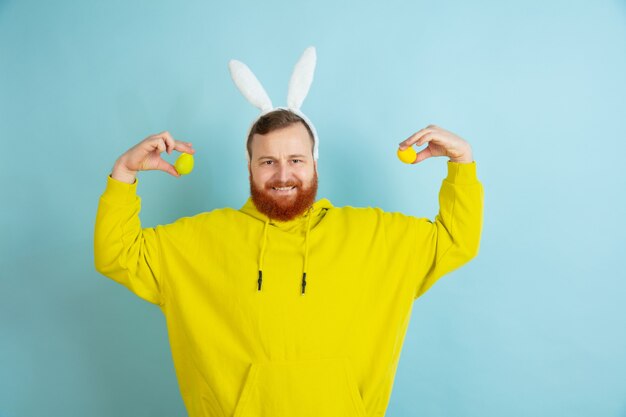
x,y
283,174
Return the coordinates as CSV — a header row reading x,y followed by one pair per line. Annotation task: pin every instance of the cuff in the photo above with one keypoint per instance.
x,y
120,191
462,173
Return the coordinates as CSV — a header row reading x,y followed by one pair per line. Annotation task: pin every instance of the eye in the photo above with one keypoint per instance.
x,y
297,160
267,162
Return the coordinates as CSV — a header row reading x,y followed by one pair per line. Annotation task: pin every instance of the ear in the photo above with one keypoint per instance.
x,y
301,78
249,85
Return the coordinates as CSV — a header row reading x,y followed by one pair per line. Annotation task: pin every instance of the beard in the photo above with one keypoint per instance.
x,y
283,208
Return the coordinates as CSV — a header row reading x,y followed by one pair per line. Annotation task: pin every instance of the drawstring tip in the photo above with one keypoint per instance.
x,y
303,282
260,281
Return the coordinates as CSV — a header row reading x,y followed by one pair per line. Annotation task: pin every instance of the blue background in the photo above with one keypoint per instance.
x,y
534,326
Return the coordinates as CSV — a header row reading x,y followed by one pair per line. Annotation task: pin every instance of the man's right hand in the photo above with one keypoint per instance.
x,y
146,156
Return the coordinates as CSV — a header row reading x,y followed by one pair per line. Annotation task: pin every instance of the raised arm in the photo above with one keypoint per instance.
x,y
453,238
123,250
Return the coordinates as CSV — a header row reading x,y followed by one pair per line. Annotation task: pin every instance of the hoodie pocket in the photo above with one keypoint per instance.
x,y
319,387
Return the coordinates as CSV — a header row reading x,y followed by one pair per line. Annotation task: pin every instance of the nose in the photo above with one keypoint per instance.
x,y
283,172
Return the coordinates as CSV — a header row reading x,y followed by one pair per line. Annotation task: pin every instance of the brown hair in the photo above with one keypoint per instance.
x,y
276,120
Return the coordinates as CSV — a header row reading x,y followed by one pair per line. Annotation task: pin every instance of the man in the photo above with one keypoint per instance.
x,y
288,306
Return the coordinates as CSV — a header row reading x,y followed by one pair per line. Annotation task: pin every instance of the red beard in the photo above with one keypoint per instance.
x,y
283,208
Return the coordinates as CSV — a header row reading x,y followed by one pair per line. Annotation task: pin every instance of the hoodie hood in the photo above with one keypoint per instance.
x,y
300,225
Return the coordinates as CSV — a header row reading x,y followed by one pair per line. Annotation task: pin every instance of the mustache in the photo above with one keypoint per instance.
x,y
278,184
278,209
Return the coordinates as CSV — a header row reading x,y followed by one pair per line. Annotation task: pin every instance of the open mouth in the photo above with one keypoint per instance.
x,y
284,190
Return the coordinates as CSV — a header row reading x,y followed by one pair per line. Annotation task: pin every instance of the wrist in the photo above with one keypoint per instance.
x,y
465,158
121,173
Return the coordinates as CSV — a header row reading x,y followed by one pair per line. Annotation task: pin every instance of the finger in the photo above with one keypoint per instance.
x,y
177,145
417,135
169,141
163,165
414,138
427,137
185,147
423,154
159,144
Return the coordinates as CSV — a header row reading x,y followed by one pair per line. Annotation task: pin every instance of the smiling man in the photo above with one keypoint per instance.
x,y
283,174
288,306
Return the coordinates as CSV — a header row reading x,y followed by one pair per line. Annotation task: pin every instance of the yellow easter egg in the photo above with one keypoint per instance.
x,y
184,164
408,155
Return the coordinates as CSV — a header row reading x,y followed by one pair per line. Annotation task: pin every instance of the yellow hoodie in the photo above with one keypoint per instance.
x,y
246,339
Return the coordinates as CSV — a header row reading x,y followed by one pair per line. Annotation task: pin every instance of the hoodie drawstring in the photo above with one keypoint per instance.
x,y
260,280
306,251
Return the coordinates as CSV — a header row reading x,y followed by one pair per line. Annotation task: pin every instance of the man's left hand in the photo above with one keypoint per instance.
x,y
440,143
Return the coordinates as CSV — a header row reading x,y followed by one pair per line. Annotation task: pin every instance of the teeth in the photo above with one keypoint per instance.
x,y
284,188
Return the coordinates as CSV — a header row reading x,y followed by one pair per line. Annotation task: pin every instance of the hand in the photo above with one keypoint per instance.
x,y
146,155
440,143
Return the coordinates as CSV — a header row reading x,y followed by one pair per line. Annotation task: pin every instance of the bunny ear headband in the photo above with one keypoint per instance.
x,y
299,85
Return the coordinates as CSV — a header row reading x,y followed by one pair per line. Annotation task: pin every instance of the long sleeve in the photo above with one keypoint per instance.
x,y
453,239
123,251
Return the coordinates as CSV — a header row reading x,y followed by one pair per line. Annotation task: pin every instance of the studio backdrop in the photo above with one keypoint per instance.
x,y
533,326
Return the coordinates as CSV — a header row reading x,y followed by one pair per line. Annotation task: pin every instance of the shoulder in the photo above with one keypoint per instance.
x,y
216,214
370,213
203,219
351,211
372,222
367,211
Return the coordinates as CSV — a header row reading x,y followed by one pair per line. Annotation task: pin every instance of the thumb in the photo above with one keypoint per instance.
x,y
423,154
165,166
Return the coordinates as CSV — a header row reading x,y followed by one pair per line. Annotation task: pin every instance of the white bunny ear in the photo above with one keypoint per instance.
x,y
301,78
249,85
